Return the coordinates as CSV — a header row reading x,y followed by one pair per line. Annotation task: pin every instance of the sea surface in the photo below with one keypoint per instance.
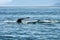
x,y
11,30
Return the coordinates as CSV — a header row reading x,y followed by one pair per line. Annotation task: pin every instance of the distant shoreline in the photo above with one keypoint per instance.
x,y
25,6
30,7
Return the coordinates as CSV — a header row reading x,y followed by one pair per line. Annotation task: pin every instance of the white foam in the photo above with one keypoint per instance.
x,y
50,21
43,21
9,21
27,21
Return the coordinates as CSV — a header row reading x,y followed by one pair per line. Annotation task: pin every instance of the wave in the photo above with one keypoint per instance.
x,y
34,21
42,21
9,21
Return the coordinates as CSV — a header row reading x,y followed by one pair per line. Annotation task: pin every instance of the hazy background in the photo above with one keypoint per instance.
x,y
30,2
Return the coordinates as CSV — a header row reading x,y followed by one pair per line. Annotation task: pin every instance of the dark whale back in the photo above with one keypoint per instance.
x,y
19,20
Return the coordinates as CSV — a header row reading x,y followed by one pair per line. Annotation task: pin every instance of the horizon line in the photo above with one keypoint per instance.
x,y
29,5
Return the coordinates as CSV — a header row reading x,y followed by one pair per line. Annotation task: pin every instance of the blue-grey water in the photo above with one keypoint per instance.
x,y
39,31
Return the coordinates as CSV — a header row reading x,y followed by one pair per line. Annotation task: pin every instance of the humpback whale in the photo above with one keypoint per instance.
x,y
22,20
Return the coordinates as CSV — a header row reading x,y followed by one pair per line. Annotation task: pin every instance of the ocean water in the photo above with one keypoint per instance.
x,y
11,30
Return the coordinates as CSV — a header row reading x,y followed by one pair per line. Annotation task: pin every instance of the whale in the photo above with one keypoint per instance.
x,y
37,21
27,20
